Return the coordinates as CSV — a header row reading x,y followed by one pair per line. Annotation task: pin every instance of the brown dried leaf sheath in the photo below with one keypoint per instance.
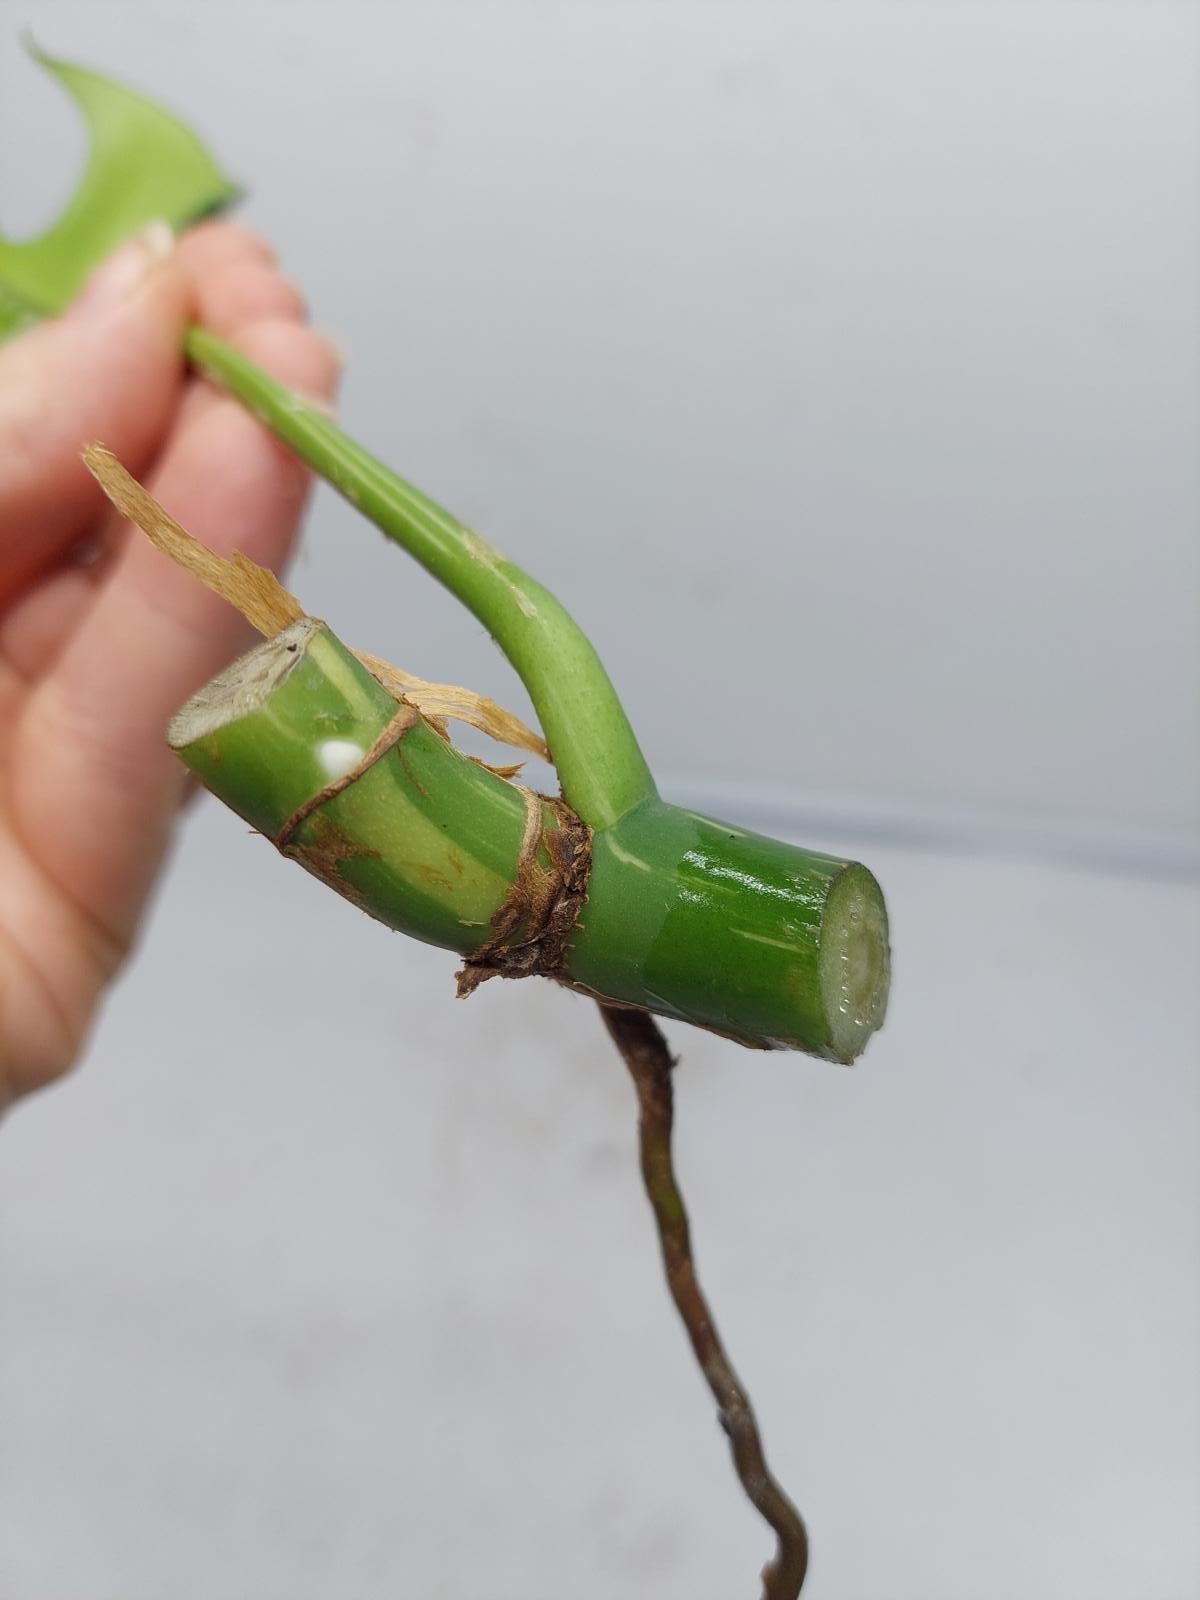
x,y
441,700
269,607
531,931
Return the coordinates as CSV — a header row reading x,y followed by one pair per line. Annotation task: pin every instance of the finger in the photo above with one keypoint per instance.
x,y
207,244
233,286
54,963
94,782
37,624
112,366
233,293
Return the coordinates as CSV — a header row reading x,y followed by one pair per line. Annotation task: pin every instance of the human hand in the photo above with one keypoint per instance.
x,y
101,639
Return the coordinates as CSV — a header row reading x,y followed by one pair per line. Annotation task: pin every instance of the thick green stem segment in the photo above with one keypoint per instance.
x,y
300,740
680,915
600,765
705,922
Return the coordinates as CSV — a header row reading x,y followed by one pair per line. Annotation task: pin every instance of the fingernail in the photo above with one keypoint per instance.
x,y
123,273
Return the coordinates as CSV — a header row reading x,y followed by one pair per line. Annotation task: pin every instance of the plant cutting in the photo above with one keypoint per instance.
x,y
346,764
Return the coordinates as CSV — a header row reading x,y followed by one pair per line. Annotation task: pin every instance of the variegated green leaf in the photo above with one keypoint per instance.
x,y
143,165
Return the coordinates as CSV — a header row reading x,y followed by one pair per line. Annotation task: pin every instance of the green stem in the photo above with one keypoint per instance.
x,y
600,765
696,920
710,924
145,164
300,740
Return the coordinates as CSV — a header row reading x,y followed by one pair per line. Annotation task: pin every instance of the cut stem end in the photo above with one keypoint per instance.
x,y
855,965
245,686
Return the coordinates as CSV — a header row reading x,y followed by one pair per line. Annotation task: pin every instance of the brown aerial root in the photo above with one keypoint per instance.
x,y
644,1051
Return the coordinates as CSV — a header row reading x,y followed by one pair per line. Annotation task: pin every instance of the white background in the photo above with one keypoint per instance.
x,y
837,364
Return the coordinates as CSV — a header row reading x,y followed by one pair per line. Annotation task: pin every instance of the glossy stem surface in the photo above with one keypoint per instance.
x,y
698,920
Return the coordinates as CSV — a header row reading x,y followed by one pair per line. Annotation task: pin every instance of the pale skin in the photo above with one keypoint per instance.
x,y
101,639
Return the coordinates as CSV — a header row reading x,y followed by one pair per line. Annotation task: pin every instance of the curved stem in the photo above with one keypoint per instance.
x,y
773,945
303,743
644,1050
600,765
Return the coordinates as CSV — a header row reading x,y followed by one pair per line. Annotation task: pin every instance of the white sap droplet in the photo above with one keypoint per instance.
x,y
339,756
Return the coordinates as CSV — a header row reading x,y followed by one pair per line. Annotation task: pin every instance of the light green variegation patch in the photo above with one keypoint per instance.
x,y
143,165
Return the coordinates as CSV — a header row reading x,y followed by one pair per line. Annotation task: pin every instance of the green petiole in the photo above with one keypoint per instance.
x,y
599,763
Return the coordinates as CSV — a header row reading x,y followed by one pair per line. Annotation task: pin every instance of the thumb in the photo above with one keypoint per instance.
x,y
110,367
